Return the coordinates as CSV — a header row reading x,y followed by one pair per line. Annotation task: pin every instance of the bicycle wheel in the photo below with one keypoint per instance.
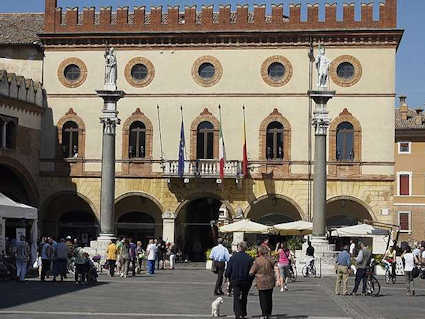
x,y
387,276
394,279
313,270
293,275
373,286
305,271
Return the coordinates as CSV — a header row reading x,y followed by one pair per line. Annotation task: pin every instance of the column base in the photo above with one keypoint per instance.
x,y
321,245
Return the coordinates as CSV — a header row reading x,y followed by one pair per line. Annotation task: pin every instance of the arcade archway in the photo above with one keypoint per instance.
x,y
138,217
195,228
346,211
273,209
70,214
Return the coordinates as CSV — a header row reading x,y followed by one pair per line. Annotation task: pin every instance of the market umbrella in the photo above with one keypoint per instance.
x,y
299,227
361,230
245,226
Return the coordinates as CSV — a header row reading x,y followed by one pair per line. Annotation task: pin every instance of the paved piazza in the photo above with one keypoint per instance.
x,y
187,293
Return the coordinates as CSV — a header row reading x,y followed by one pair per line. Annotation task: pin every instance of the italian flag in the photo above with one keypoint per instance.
x,y
244,151
221,149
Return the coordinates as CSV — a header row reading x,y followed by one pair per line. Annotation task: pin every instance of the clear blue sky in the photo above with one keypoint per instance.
x,y
410,57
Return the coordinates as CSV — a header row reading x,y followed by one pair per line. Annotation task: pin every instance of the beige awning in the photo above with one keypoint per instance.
x,y
245,226
299,227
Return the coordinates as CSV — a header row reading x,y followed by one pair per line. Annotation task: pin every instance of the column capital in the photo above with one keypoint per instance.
x,y
168,215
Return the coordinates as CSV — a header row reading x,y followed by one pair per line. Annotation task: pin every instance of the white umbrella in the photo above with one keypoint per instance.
x,y
245,226
361,230
299,227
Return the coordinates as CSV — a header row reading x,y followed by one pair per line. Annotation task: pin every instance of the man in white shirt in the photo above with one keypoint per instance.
x,y
352,247
151,252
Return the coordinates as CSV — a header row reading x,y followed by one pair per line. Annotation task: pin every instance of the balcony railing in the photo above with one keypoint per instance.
x,y
203,169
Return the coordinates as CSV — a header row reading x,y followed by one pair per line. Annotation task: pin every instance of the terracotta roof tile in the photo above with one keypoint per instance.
x,y
410,123
20,28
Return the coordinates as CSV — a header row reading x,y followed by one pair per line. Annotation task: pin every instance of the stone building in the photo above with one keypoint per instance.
x,y
200,60
409,187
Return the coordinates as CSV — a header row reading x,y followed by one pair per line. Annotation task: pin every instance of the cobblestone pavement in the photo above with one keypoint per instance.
x,y
187,293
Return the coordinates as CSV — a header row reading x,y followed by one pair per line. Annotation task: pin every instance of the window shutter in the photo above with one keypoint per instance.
x,y
404,184
404,221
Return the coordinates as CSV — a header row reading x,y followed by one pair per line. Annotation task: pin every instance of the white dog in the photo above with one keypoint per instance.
x,y
215,307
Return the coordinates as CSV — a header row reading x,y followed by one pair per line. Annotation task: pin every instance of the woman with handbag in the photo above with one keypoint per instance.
x,y
410,270
284,262
263,271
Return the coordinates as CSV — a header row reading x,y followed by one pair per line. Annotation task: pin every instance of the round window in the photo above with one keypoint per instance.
x,y
345,70
72,72
139,72
276,71
206,70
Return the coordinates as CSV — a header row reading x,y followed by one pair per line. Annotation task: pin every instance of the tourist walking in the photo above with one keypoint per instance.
x,y
410,261
262,269
310,256
21,252
219,255
123,258
283,264
390,257
172,251
237,272
362,261
140,256
132,254
161,254
352,248
343,264
111,257
46,257
60,260
151,251
81,264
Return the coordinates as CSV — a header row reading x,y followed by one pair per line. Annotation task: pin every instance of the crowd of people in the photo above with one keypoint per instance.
x,y
124,255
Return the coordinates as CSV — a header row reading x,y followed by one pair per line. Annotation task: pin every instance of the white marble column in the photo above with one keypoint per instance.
x,y
168,227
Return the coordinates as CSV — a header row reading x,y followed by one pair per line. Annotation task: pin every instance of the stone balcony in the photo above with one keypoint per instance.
x,y
203,169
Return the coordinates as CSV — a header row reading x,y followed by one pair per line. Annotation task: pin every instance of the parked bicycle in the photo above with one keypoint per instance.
x,y
309,269
389,277
293,272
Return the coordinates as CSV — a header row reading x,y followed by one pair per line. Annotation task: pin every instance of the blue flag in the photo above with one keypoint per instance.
x,y
181,151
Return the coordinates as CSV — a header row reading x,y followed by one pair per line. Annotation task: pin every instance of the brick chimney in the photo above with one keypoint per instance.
x,y
418,117
403,107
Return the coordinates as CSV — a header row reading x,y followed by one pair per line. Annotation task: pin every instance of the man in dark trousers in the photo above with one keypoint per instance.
x,y
219,255
238,273
362,261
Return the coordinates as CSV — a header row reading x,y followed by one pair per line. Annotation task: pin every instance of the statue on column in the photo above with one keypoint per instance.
x,y
322,66
110,69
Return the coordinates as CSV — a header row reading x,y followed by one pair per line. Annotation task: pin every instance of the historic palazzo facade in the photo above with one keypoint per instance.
x,y
199,60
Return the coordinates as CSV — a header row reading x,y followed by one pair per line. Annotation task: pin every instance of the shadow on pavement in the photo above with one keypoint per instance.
x,y
15,293
284,316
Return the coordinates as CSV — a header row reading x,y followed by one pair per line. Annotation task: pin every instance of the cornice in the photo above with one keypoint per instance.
x,y
223,39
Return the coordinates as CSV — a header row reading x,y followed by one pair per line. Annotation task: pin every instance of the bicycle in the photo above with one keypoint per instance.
x,y
389,273
373,287
292,272
309,269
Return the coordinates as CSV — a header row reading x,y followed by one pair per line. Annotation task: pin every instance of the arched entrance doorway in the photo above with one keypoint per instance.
x,y
273,209
195,232
13,186
346,212
70,214
138,216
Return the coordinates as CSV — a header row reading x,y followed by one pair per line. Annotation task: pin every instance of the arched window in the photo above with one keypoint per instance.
x,y
274,141
137,140
345,142
10,135
205,141
70,139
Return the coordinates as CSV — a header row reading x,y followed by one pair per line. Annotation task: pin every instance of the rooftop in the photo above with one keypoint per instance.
x,y
414,119
20,28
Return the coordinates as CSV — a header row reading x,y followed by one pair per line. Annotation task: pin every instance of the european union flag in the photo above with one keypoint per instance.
x,y
181,151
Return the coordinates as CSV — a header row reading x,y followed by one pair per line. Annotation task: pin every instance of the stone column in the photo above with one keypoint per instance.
x,y
168,227
320,122
110,120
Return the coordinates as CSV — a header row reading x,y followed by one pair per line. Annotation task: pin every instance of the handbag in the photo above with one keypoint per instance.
x,y
415,272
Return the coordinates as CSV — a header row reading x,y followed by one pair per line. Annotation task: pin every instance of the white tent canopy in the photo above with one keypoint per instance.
x,y
245,226
361,230
299,227
12,209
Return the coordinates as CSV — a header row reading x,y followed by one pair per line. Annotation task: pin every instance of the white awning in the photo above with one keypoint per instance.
x,y
12,209
245,226
361,230
299,227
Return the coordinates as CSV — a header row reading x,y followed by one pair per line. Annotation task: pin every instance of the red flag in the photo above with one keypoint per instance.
x,y
244,151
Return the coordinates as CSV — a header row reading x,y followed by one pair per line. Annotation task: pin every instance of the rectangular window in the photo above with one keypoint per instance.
x,y
404,147
404,220
404,184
